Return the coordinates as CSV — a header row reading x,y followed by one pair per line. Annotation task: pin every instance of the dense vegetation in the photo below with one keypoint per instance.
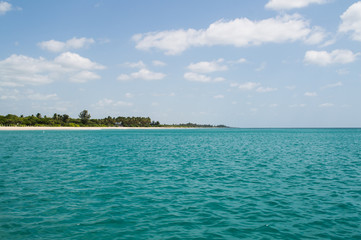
x,y
85,120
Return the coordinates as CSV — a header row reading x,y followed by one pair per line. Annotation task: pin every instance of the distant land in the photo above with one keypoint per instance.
x,y
85,120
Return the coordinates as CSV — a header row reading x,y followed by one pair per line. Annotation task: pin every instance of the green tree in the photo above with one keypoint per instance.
x,y
84,116
65,118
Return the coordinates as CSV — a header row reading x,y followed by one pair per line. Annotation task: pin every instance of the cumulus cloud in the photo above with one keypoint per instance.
x,y
220,96
310,94
139,64
290,87
351,21
129,95
265,89
326,105
5,7
241,60
208,67
84,76
291,4
9,94
196,77
240,32
324,58
42,97
158,63
20,70
250,86
333,85
58,46
302,105
261,67
143,74
73,60
111,103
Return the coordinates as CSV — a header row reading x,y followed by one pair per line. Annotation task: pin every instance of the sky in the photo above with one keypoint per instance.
x,y
264,63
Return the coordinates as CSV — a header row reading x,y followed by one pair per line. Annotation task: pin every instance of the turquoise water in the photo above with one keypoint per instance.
x,y
181,184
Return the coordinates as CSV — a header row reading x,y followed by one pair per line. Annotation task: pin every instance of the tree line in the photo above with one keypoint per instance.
x,y
85,120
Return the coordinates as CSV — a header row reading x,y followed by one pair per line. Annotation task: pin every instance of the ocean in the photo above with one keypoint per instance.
x,y
181,184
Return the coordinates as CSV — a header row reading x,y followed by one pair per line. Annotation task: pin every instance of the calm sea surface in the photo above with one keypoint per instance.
x,y
181,184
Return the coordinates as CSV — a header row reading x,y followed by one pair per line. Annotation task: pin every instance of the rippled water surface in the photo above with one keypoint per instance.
x,y
181,184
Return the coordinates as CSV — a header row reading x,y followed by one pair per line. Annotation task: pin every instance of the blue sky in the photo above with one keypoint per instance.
x,y
266,63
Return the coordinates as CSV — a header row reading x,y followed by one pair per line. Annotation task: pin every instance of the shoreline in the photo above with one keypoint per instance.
x,y
83,128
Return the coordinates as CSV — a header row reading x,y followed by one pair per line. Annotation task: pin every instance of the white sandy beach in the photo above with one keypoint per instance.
x,y
80,128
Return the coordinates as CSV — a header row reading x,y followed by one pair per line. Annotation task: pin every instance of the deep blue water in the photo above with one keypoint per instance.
x,y
181,184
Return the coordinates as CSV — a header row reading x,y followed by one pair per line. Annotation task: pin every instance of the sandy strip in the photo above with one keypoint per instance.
x,y
81,128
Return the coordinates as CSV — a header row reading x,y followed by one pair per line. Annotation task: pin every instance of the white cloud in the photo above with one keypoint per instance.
x,y
208,67
20,70
143,74
124,77
333,85
326,105
351,21
6,97
240,32
158,63
343,71
139,64
220,96
9,94
42,97
52,45
172,94
196,77
324,58
111,103
291,4
302,105
219,79
310,94
84,76
74,43
291,88
129,95
261,67
122,104
265,89
5,7
241,60
248,86
155,104
317,36
73,60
